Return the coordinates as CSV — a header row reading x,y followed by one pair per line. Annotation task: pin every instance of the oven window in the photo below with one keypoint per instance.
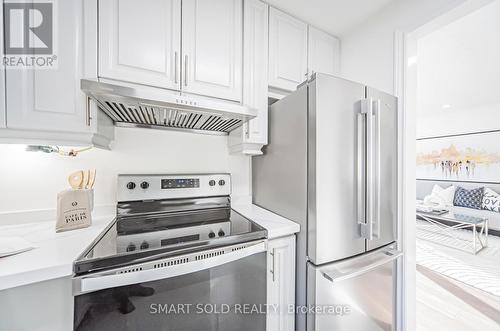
x,y
229,297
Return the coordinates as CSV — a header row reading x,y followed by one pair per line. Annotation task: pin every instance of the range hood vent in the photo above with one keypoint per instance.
x,y
151,107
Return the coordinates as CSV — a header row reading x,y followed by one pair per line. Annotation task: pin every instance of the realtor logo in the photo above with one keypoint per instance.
x,y
29,34
28,28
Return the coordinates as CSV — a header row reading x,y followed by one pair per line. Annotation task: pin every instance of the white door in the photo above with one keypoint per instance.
x,y
212,48
287,50
139,41
323,52
281,284
50,99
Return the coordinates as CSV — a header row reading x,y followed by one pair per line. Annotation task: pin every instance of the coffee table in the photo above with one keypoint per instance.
x,y
459,221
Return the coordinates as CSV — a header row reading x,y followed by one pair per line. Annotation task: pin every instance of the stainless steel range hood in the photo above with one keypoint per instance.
x,y
153,108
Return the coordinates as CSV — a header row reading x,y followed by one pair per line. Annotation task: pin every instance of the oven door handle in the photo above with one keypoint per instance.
x,y
107,279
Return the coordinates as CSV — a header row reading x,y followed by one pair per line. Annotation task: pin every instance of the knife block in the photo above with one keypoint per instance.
x,y
74,209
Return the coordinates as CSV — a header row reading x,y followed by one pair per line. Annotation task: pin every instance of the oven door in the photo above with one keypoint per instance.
x,y
218,289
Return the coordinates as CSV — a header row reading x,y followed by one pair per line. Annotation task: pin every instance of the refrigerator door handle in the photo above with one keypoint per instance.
x,y
382,258
376,170
360,163
366,225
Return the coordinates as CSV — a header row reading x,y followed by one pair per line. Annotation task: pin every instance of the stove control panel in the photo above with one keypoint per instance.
x,y
154,187
157,239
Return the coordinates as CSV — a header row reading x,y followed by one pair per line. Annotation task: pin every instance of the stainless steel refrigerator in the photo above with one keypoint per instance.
x,y
331,166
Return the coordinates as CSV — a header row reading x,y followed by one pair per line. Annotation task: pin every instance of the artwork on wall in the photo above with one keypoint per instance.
x,y
469,157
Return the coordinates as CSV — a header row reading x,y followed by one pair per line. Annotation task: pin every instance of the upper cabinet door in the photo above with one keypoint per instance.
x,y
50,99
139,41
255,68
287,50
323,52
212,48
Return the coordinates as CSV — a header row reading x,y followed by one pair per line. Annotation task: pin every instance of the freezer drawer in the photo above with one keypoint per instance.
x,y
354,294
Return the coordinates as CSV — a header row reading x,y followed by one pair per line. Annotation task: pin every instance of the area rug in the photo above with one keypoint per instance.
x,y
436,251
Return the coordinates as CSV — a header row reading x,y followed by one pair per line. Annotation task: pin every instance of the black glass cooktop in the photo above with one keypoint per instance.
x,y
140,239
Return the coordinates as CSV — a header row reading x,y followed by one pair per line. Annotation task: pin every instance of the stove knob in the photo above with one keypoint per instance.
x,y
222,182
144,245
211,234
131,185
221,233
211,183
144,185
130,247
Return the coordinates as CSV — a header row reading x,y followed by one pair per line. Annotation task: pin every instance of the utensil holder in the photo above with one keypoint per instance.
x,y
74,209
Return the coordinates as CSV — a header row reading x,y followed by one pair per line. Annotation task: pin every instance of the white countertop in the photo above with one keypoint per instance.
x,y
55,252
53,256
276,226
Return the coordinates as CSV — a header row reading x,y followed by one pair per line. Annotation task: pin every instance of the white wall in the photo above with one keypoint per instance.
x,y
31,181
367,52
458,72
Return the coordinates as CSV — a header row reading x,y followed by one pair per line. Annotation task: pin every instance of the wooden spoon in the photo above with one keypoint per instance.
x,y
75,180
86,177
91,179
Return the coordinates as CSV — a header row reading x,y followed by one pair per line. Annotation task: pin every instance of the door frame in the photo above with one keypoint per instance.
x,y
405,87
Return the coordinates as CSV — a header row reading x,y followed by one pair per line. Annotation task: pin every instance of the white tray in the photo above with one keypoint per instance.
x,y
14,245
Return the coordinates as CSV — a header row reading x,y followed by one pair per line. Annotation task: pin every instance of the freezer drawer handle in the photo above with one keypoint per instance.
x,y
385,257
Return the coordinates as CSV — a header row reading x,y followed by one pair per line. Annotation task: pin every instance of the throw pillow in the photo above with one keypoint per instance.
x,y
491,200
440,197
469,198
447,194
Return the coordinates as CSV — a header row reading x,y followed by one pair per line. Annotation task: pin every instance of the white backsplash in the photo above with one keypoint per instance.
x,y
30,181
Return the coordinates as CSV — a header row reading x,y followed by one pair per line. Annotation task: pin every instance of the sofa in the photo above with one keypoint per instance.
x,y
424,188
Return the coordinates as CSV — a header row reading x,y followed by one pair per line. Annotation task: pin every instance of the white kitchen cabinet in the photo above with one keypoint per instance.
x,y
50,99
140,42
46,305
323,52
46,106
252,136
212,48
287,51
281,283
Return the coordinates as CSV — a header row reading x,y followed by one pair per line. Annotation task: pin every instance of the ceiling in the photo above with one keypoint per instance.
x,y
458,66
334,16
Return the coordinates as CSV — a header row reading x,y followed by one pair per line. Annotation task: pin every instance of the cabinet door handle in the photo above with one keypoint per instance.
x,y
273,271
247,130
87,111
186,70
176,64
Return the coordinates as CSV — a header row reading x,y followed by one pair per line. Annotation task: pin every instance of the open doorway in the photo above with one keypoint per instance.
x,y
452,86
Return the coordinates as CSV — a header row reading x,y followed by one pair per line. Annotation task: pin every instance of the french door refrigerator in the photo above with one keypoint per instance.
x,y
331,166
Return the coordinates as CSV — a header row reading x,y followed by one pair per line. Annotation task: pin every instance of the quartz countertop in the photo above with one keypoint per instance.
x,y
55,253
276,225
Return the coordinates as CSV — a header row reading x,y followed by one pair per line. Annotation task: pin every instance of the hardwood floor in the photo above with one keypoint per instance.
x,y
444,304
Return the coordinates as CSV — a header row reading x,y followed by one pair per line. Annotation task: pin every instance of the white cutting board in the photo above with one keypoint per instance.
x,y
14,245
